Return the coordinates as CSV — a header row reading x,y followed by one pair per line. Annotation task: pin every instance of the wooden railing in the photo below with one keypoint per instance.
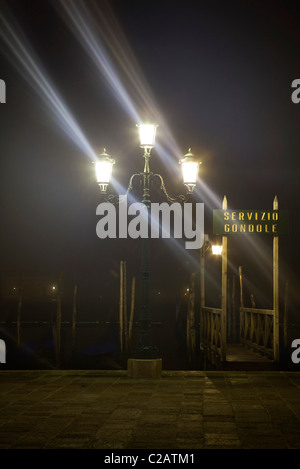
x,y
212,337
257,330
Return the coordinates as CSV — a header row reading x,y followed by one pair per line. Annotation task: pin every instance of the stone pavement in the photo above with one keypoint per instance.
x,y
91,409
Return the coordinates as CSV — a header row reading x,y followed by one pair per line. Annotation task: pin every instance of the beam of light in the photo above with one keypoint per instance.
x,y
247,242
34,74
261,252
211,280
260,297
207,195
100,35
261,260
85,29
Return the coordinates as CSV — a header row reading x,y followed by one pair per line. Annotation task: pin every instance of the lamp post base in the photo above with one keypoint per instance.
x,y
144,368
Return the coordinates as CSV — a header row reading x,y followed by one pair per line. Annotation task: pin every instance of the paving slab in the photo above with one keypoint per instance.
x,y
90,409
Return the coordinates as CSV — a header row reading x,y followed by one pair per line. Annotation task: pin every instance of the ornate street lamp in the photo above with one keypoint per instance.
x,y
190,167
144,348
103,167
147,135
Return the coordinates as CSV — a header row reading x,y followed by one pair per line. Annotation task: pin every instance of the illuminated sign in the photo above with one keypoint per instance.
x,y
272,222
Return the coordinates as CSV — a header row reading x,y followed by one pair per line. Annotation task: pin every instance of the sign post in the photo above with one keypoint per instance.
x,y
224,291
276,290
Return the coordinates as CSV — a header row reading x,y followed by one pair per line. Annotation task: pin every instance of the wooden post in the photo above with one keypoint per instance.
x,y
224,291
74,315
234,312
203,338
202,276
131,311
125,323
241,286
20,300
276,291
191,337
230,309
121,306
241,302
58,322
286,315
188,326
193,318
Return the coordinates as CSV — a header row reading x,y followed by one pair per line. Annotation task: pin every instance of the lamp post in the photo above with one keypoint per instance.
x,y
217,249
145,350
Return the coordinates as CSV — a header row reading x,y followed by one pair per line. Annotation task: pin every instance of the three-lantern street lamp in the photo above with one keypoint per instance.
x,y
104,166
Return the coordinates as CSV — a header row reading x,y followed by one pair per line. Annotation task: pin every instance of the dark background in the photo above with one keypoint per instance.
x,y
215,76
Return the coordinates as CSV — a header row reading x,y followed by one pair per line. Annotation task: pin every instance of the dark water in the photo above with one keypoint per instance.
x,y
97,344
97,338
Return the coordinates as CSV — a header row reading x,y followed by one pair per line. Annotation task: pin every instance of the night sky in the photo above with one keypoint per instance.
x,y
215,76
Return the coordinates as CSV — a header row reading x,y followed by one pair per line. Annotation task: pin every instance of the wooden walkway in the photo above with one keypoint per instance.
x,y
241,358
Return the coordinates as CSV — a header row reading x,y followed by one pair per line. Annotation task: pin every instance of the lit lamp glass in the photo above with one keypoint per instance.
x,y
190,167
103,167
217,250
147,135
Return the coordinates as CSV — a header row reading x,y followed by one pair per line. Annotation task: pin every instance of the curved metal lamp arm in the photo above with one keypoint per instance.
x,y
179,198
116,199
130,185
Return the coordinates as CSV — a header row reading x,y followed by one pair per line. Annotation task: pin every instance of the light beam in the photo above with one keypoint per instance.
x,y
37,77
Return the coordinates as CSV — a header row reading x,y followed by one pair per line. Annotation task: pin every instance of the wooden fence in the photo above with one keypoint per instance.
x,y
211,333
257,330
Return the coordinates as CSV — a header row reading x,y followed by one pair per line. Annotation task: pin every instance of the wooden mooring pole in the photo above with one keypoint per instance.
x,y
224,291
190,329
125,323
131,312
121,305
203,338
276,291
58,321
286,315
123,310
234,310
20,298
241,286
74,316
